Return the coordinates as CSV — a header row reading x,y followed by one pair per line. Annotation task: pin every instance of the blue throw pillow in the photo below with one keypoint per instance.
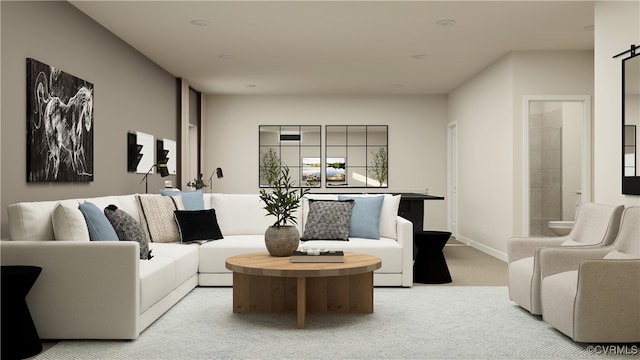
x,y
192,200
99,227
365,217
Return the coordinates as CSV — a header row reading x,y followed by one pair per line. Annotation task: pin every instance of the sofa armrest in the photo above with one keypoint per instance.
x,y
405,238
557,259
524,247
82,284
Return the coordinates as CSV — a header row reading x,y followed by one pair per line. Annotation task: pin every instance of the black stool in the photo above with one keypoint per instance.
x,y
430,266
19,335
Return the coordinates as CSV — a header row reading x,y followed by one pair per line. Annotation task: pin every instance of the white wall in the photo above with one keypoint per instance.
x,y
617,26
482,109
417,138
488,109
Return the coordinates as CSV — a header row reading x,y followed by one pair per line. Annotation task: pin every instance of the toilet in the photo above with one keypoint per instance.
x,y
561,228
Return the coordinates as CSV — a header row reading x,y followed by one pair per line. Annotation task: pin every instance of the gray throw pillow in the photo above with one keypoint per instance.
x,y
128,229
328,220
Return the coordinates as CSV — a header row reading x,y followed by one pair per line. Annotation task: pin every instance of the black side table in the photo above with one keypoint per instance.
x,y
430,266
19,335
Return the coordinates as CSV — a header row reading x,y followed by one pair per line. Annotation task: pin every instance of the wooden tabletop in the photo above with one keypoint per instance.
x,y
266,265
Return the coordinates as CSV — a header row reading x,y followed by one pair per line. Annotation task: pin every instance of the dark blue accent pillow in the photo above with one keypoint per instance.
x,y
99,227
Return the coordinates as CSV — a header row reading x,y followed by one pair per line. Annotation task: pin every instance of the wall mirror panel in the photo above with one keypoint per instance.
x,y
298,147
630,123
356,156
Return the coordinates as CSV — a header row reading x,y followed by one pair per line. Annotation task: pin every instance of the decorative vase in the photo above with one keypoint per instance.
x,y
281,241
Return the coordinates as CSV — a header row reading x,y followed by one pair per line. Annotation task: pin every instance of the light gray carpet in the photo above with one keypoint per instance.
x,y
426,322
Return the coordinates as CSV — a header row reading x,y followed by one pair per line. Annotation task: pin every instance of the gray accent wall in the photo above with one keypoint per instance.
x,y
131,93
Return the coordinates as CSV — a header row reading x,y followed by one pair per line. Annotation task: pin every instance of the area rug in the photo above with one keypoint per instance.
x,y
423,322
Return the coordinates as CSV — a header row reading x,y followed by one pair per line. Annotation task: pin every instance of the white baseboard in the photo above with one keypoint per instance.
x,y
485,249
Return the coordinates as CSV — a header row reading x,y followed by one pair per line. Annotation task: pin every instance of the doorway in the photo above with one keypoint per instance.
x,y
556,160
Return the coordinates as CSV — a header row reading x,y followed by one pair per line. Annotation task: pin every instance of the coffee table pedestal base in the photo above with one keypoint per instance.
x,y
348,294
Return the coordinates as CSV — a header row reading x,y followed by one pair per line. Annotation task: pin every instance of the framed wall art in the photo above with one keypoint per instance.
x,y
59,125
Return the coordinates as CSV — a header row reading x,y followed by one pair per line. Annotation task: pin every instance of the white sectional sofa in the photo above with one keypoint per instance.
x,y
102,290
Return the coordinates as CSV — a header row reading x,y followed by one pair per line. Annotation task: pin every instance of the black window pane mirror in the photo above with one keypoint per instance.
x,y
630,122
297,146
356,156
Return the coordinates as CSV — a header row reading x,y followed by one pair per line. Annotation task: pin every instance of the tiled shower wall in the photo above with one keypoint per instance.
x,y
545,166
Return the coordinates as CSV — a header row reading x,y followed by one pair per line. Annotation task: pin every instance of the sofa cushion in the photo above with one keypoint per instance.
x,y
128,229
31,220
99,227
388,250
195,225
68,222
328,220
241,214
156,216
365,217
185,257
213,254
157,280
192,200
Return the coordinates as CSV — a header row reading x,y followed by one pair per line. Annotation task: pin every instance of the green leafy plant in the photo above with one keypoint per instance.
x,y
379,167
281,198
197,183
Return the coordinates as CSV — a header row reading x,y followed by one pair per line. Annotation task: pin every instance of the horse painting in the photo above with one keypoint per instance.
x,y
60,125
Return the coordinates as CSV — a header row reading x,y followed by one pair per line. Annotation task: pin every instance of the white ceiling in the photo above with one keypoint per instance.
x,y
339,47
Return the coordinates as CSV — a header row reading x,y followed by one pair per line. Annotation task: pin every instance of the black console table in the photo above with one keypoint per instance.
x,y
412,208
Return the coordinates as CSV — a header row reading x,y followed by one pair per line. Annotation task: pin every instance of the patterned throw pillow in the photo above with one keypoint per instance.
x,y
328,220
128,229
157,217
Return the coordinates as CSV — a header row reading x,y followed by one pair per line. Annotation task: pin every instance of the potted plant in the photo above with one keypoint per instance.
x,y
197,183
281,200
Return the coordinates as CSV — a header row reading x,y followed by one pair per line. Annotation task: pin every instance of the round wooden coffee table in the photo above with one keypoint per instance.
x,y
266,284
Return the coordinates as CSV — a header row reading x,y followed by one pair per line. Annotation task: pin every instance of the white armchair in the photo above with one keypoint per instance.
x,y
595,225
593,294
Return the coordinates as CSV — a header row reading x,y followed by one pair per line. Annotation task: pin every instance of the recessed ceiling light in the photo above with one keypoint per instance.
x,y
589,27
446,22
419,57
226,57
199,22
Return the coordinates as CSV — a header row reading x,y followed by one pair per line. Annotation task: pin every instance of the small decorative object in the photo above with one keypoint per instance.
x,y
197,183
280,201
